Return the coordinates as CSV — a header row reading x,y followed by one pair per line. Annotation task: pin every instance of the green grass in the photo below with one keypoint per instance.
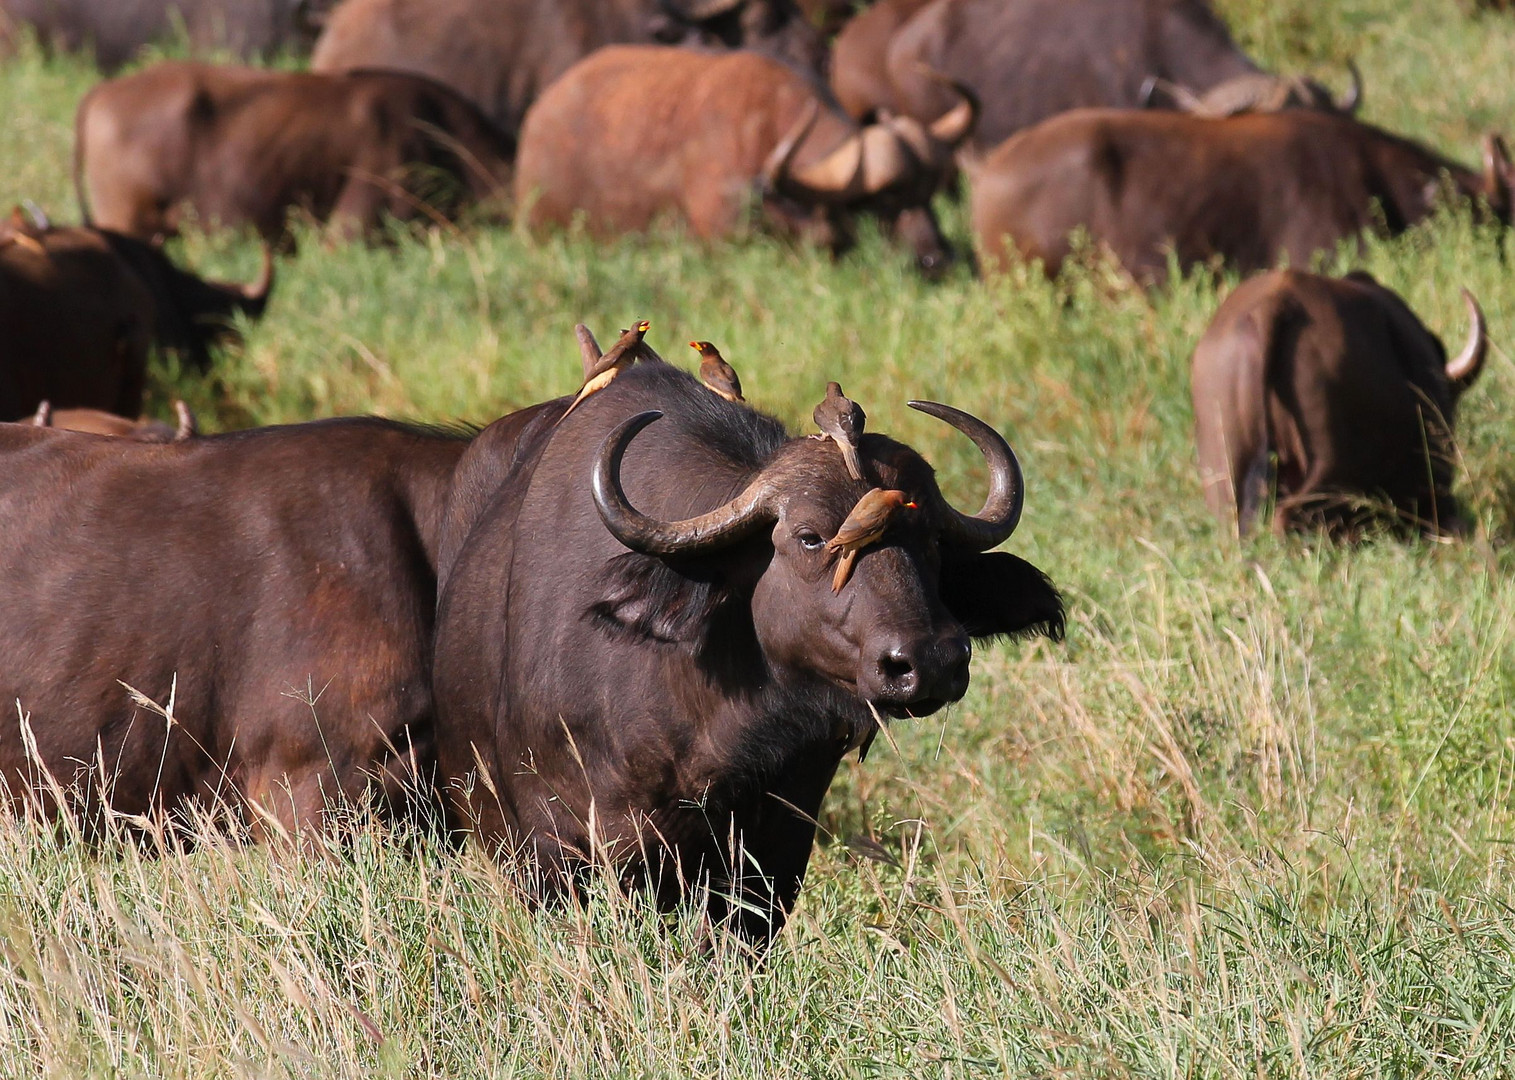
x,y
1254,818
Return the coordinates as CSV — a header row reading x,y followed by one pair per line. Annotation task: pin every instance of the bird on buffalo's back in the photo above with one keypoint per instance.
x,y
622,355
842,420
719,376
865,525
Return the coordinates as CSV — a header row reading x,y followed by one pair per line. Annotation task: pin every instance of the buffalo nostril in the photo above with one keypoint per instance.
x,y
896,667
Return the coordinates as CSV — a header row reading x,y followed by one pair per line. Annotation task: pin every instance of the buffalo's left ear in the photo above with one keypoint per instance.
x,y
999,593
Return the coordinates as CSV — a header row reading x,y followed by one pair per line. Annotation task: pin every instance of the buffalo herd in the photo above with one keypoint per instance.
x,y
615,628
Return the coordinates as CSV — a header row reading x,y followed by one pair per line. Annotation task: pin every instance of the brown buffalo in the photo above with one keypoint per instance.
x,y
116,30
1028,60
244,147
697,137
1335,390
99,422
501,54
275,586
639,655
79,308
1246,190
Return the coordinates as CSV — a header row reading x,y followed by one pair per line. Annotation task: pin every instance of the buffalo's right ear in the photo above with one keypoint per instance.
x,y
1001,594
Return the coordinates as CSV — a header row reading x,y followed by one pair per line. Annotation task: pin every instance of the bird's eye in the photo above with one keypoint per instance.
x,y
810,540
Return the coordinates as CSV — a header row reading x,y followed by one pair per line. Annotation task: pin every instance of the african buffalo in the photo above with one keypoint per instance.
x,y
114,30
1335,389
1028,60
242,146
275,586
501,54
79,308
639,655
99,422
698,137
1248,190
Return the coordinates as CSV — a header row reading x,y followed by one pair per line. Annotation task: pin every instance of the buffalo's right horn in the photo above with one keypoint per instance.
x,y
958,122
1466,365
725,525
44,415
1352,101
1001,512
781,157
188,426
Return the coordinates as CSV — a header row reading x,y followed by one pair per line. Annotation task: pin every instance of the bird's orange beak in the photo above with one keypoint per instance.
x,y
644,326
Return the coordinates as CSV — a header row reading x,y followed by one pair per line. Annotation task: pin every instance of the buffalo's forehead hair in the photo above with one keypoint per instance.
x,y
817,469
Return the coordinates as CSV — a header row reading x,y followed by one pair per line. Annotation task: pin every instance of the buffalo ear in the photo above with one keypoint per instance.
x,y
645,599
1001,594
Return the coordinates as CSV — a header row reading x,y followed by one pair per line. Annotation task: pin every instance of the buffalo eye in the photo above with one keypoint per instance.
x,y
810,540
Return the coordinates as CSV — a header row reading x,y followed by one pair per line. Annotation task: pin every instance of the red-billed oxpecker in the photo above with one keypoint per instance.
x,y
865,525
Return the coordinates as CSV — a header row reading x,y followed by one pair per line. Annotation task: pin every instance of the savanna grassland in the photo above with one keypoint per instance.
x,y
1254,818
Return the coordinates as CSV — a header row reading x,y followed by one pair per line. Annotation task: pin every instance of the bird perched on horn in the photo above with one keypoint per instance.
x,y
865,525
622,355
842,420
717,375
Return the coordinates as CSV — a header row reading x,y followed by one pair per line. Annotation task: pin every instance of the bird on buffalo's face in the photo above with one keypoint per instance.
x,y
622,355
865,525
716,373
842,420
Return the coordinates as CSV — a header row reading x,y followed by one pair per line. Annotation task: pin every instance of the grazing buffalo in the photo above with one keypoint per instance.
x,y
1028,60
115,30
99,422
275,587
1247,190
697,137
243,147
79,308
639,655
501,54
1333,388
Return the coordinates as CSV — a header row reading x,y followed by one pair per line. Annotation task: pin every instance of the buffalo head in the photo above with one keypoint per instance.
x,y
896,635
775,27
890,168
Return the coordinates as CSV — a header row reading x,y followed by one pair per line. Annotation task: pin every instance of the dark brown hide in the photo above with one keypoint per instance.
x,y
243,147
1339,382
859,75
1031,59
79,308
1246,190
279,583
681,700
689,136
501,54
114,30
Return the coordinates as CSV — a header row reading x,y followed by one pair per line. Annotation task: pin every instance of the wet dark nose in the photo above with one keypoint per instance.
x,y
921,669
933,265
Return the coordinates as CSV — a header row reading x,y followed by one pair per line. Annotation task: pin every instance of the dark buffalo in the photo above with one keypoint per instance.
x,y
501,54
99,422
114,30
1335,390
639,655
697,137
275,586
1028,60
79,308
241,146
1247,190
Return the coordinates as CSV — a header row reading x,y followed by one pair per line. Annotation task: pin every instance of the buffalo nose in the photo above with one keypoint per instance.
x,y
923,670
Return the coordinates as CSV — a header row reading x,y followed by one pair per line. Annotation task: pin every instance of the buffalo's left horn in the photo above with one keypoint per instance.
x,y
958,122
1007,488
1353,99
776,166
725,525
1464,367
44,415
188,426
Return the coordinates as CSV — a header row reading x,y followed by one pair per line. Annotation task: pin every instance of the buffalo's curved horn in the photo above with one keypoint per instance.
x,y
720,527
776,166
836,176
188,426
255,295
40,220
1007,488
1465,366
1148,88
700,10
44,415
958,122
1352,100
